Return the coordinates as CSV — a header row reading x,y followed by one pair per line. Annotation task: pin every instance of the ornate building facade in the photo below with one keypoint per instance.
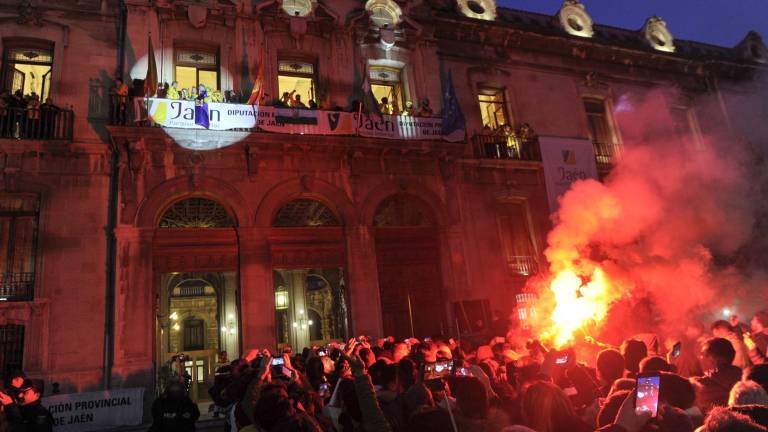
x,y
125,243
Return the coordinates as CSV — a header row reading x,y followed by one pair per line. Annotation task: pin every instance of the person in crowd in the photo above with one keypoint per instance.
x,y
759,326
758,374
119,101
724,329
475,412
721,419
27,413
174,410
162,90
546,408
16,380
610,367
409,109
424,109
32,128
747,393
719,374
633,351
312,104
394,108
384,106
654,364
297,102
173,91
184,95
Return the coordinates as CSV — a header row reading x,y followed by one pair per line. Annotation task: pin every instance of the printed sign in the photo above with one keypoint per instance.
x,y
95,410
565,161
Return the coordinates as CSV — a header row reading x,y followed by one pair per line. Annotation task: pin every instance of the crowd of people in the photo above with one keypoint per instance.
x,y
716,382
26,117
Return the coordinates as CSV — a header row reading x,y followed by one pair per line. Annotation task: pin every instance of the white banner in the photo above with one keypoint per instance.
x,y
95,410
565,161
185,114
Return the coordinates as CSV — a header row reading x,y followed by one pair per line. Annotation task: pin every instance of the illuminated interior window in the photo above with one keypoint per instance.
x,y
298,8
599,125
28,69
386,83
297,78
193,68
493,108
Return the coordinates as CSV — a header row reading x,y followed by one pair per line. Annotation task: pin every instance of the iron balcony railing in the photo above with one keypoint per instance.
x,y
523,265
36,124
498,146
17,286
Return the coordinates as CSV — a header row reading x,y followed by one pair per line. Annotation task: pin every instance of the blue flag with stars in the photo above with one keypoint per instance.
x,y
453,118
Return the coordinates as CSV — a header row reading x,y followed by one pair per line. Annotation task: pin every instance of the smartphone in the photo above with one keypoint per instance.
x,y
321,353
437,370
324,390
676,350
278,361
464,372
647,393
562,359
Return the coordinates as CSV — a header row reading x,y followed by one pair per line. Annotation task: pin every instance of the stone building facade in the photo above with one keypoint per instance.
x,y
120,221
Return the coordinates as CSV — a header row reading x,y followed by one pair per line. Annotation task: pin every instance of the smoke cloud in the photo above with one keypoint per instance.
x,y
666,226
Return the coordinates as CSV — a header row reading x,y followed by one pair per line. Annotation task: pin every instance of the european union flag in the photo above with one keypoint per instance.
x,y
453,118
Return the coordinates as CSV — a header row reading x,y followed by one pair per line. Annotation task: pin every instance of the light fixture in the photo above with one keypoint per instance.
x,y
176,327
281,298
174,316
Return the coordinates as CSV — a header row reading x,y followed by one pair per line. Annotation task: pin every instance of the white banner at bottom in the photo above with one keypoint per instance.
x,y
95,410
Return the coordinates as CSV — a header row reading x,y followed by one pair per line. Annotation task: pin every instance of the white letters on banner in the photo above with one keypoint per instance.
x,y
224,116
565,160
95,410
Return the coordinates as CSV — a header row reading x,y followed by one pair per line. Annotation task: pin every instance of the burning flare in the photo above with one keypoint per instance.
x,y
578,301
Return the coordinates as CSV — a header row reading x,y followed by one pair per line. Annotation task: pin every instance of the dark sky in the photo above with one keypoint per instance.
x,y
718,22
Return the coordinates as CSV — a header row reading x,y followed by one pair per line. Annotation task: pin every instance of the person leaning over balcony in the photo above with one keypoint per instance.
x,y
173,90
33,116
409,110
119,101
49,114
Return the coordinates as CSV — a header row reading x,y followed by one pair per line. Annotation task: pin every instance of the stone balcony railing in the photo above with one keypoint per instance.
x,y
36,124
510,146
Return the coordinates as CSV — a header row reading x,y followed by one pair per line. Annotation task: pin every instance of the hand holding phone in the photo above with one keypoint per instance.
x,y
676,350
647,393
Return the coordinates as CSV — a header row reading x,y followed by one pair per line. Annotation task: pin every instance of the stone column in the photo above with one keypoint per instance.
x,y
257,298
362,282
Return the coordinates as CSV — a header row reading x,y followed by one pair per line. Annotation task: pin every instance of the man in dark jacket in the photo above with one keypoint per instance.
x,y
28,415
720,374
174,411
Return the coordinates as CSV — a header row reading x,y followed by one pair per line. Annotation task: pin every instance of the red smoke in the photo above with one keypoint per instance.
x,y
669,206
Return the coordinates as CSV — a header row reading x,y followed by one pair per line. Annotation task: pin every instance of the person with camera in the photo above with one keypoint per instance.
x,y
27,414
174,411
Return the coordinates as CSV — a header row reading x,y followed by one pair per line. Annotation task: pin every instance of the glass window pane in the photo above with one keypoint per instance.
x,y
31,78
186,77
296,67
30,55
209,78
305,87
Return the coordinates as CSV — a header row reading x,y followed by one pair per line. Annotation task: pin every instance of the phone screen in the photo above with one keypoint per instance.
x,y
278,361
437,370
647,397
676,350
464,372
562,359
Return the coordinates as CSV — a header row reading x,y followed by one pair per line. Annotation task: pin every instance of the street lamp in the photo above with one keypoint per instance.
x,y
281,298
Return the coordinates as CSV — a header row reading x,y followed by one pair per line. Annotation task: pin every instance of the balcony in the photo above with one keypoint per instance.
x,y
16,286
507,144
36,124
523,265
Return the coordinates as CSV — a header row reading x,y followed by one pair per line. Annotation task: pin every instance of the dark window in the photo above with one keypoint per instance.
x,y
11,348
194,335
600,130
18,231
305,213
401,210
196,213
517,240
27,66
316,329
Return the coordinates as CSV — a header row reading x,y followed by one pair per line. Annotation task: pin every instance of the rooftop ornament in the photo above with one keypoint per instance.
x,y
753,48
658,36
298,8
575,19
478,9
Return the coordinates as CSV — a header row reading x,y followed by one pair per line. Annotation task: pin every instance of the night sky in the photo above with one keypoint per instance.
x,y
718,22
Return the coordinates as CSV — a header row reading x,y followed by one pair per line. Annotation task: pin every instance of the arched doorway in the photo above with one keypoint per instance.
x,y
306,242
408,261
195,259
